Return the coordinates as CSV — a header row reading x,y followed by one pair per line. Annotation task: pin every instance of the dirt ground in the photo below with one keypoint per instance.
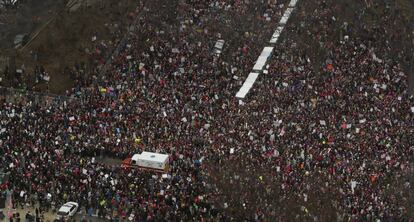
x,y
25,19
64,38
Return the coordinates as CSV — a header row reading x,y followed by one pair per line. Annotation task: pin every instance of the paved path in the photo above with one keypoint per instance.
x,y
48,216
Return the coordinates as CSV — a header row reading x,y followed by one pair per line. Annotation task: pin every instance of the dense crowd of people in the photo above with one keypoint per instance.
x,y
348,123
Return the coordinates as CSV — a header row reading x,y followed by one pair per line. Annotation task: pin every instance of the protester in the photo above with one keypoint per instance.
x,y
167,92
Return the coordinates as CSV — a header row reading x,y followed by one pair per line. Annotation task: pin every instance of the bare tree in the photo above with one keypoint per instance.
x,y
8,3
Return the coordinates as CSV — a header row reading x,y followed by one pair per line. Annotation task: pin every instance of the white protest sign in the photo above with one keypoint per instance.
x,y
353,185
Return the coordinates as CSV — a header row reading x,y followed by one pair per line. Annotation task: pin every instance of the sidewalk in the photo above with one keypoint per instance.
x,y
48,216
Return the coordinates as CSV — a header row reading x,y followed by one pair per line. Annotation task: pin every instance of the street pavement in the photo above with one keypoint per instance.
x,y
47,216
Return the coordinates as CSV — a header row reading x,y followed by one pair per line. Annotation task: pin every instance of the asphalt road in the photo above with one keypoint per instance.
x,y
79,217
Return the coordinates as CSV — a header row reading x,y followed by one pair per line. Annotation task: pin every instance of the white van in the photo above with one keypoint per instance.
x,y
148,160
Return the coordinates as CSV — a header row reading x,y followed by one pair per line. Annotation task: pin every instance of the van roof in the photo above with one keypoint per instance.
x,y
157,157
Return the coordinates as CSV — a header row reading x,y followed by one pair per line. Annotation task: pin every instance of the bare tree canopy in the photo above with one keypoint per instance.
x,y
8,3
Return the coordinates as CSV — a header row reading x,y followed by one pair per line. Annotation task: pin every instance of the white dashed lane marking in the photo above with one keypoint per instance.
x,y
266,53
